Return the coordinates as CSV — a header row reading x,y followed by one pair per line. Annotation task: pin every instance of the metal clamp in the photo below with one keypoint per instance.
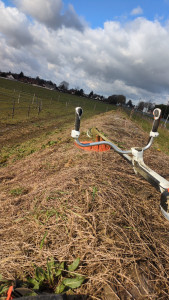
x,y
75,134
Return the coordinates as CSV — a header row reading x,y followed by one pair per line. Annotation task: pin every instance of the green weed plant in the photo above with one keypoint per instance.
x,y
55,278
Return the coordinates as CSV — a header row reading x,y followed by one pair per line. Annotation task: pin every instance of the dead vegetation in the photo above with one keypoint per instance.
x,y
92,206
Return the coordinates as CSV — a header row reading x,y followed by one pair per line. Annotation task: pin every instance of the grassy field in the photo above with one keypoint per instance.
x,y
25,102
31,115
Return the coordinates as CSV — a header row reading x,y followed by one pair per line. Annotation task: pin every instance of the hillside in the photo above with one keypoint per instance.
x,y
87,205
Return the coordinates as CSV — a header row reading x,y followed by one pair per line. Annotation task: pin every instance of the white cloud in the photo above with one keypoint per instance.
x,y
50,13
15,26
132,59
137,11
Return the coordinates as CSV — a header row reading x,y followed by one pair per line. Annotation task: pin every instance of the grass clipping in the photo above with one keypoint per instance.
x,y
88,205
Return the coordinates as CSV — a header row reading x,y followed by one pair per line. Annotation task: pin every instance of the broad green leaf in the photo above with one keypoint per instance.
x,y
40,274
34,282
73,283
74,265
60,269
50,270
60,288
51,263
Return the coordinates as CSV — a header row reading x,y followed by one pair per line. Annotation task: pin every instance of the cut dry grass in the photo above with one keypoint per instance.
x,y
92,206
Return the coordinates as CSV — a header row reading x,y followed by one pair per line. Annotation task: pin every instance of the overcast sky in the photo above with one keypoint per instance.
x,y
110,47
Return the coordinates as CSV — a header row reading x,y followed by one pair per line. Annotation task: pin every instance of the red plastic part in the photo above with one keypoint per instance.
x,y
98,148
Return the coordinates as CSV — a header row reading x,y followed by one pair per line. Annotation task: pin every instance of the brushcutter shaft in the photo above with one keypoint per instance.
x,y
78,114
157,116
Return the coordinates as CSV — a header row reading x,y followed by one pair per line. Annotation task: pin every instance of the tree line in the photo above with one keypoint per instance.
x,y
64,87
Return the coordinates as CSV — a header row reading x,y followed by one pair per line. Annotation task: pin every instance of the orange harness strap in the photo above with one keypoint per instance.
x,y
9,293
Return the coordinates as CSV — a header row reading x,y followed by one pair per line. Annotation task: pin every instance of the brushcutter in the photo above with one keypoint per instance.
x,y
134,156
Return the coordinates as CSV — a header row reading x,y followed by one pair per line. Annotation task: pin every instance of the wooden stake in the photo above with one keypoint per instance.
x,y
29,108
39,107
19,97
13,109
33,99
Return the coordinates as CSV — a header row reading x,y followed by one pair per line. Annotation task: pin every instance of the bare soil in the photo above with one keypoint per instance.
x,y
92,206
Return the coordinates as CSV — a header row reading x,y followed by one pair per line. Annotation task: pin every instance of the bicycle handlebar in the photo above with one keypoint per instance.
x,y
104,143
78,114
153,133
157,116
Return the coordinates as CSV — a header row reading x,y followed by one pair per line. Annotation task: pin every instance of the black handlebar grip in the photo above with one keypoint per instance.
x,y
78,114
157,116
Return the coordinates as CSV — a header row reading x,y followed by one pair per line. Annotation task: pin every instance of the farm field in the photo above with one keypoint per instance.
x,y
29,115
60,202
24,102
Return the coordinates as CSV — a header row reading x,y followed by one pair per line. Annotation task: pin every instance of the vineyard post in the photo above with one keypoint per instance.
x,y
19,97
29,108
33,99
37,101
13,109
40,107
